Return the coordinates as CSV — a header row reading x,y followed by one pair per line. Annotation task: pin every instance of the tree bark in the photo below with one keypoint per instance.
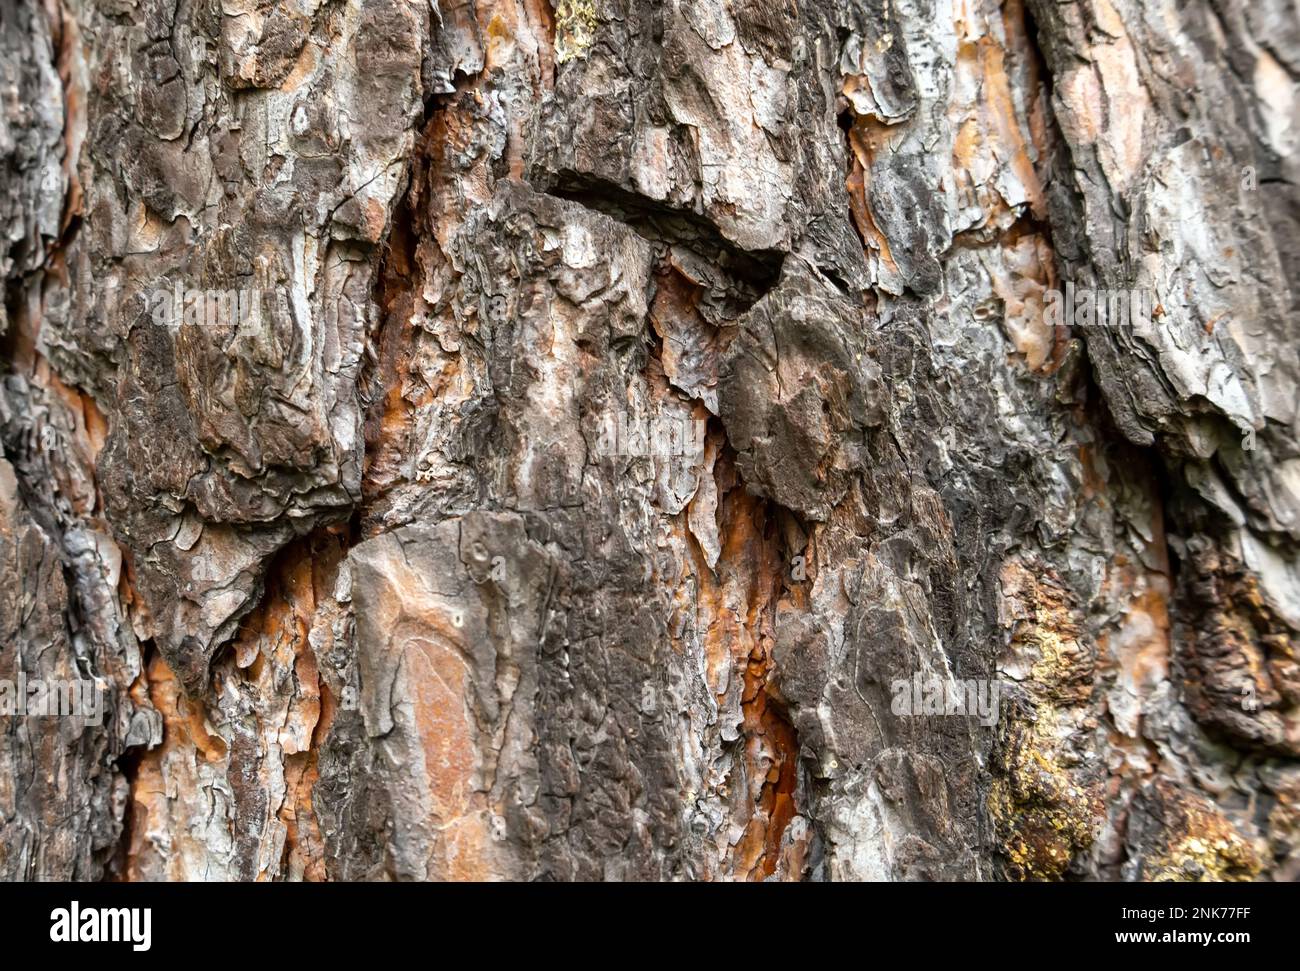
x,y
631,415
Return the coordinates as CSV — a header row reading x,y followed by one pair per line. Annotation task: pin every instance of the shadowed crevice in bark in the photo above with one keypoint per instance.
x,y
754,271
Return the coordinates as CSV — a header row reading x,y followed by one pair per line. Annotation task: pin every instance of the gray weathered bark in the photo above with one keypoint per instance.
x,y
633,396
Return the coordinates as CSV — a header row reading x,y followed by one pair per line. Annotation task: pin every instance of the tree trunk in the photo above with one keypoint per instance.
x,y
613,439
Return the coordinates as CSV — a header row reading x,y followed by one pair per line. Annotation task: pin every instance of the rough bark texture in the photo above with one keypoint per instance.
x,y
372,596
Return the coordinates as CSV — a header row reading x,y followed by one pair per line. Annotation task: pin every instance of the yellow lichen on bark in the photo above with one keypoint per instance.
x,y
575,29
